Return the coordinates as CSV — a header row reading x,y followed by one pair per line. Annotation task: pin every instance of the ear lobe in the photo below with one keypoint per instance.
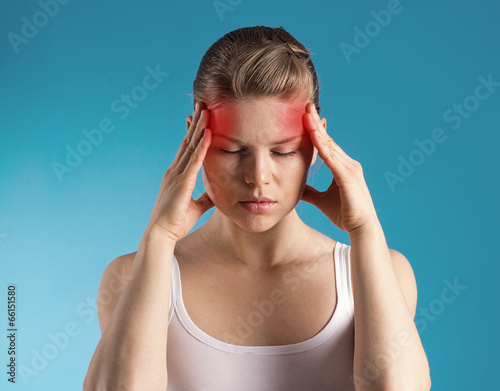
x,y
315,154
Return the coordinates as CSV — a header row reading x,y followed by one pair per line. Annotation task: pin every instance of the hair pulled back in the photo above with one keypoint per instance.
x,y
254,62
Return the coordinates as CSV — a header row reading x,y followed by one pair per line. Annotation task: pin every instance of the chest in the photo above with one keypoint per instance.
x,y
288,306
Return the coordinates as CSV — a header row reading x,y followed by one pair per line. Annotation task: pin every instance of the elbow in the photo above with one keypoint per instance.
x,y
425,378
93,383
408,382
89,384
423,384
427,385
86,384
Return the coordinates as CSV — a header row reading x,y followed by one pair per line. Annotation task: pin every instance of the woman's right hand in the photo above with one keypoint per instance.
x,y
175,211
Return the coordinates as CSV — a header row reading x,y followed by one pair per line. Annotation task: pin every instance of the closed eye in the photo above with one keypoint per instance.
x,y
230,152
288,154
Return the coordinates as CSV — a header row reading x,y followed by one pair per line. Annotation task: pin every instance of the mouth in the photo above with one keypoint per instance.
x,y
257,206
258,200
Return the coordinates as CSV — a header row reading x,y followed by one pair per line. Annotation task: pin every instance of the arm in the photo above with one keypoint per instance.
x,y
132,350
388,353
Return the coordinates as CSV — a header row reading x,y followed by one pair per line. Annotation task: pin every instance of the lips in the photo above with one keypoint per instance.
x,y
258,199
257,204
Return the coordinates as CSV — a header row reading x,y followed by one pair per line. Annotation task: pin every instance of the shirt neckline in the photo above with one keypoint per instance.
x,y
311,343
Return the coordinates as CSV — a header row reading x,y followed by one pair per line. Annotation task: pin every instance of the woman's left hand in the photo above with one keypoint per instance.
x,y
347,202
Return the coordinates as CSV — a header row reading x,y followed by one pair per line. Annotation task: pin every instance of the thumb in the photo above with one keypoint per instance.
x,y
311,195
204,202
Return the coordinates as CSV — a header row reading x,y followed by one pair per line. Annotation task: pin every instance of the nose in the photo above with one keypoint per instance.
x,y
257,169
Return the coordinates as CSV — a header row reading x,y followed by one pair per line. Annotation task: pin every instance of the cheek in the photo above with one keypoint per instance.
x,y
299,169
303,159
292,173
216,178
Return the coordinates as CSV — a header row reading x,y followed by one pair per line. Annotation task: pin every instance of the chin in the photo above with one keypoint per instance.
x,y
252,222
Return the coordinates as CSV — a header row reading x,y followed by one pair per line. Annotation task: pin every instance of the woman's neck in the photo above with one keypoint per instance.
x,y
279,245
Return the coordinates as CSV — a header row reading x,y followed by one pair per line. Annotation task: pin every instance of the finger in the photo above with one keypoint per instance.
x,y
200,106
328,151
200,126
196,158
194,142
344,169
322,131
189,134
335,158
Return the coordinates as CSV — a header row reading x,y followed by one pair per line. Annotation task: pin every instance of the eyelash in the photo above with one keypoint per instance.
x,y
289,154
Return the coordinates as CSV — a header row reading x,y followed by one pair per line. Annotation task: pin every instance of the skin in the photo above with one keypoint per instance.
x,y
383,282
257,169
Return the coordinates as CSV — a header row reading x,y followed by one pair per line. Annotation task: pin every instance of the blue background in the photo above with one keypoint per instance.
x,y
57,234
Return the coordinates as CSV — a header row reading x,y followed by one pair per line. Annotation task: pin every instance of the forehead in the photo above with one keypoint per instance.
x,y
264,118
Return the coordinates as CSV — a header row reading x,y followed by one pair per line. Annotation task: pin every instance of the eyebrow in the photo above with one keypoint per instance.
x,y
235,140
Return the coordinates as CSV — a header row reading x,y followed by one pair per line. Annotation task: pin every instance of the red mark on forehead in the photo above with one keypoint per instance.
x,y
261,121
223,120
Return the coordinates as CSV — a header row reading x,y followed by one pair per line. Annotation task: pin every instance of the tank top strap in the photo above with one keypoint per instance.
x,y
174,286
343,276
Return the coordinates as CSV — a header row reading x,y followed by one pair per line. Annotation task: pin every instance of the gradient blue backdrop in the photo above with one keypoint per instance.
x,y
58,233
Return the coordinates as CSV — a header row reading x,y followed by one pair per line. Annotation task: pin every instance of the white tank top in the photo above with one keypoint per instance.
x,y
196,361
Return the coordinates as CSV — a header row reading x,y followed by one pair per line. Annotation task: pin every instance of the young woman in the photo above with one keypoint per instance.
x,y
255,299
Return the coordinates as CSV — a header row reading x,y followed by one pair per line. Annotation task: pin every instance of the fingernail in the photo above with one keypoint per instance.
x,y
196,106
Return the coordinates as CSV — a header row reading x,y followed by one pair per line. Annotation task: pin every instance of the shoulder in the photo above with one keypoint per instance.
x,y
121,262
116,272
113,280
406,279
317,241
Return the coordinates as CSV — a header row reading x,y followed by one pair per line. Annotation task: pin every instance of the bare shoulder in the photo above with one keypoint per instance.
x,y
406,278
113,280
320,243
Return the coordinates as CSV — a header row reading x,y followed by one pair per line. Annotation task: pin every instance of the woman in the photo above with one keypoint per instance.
x,y
255,299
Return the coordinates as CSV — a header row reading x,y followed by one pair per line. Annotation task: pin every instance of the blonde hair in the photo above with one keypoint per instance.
x,y
255,62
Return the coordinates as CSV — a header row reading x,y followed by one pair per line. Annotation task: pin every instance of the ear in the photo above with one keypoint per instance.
x,y
323,122
315,152
189,118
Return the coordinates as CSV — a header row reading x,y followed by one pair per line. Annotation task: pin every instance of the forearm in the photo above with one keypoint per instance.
x,y
388,352
131,354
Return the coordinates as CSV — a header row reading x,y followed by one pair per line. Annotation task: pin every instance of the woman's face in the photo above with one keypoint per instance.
x,y
259,148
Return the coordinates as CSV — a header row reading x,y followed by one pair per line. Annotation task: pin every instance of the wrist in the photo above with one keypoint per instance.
x,y
368,229
158,235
